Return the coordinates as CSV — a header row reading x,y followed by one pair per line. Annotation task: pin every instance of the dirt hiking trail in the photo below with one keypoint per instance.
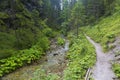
x,y
103,67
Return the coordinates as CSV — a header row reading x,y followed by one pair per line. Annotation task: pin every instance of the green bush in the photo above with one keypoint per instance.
x,y
19,59
49,32
111,35
60,41
116,69
25,38
117,5
44,43
109,28
40,74
81,56
3,15
7,42
6,53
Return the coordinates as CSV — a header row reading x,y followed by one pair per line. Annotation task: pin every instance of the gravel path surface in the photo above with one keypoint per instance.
x,y
103,67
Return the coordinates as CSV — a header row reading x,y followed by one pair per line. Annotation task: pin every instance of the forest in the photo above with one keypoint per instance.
x,y
59,39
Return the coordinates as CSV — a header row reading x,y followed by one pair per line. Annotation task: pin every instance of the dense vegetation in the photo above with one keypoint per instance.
x,y
19,59
105,31
79,13
20,27
27,26
102,19
24,35
81,56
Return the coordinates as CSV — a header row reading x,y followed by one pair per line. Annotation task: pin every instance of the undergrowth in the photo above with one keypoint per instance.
x,y
40,74
105,31
11,59
60,41
81,56
19,59
116,66
116,69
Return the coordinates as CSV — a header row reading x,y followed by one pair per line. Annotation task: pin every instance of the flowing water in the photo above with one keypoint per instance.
x,y
53,62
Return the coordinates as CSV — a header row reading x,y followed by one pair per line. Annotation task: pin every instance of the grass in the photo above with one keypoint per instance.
x,y
105,31
60,41
81,56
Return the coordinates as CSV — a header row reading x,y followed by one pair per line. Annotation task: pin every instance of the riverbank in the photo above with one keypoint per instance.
x,y
53,62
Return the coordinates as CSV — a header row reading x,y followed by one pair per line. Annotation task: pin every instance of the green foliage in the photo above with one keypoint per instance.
x,y
25,38
117,53
60,41
5,53
7,42
116,68
24,35
81,56
22,21
44,43
3,15
40,74
49,32
117,5
19,59
80,13
105,30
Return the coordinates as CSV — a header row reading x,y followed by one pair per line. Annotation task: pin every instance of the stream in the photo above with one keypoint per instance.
x,y
54,62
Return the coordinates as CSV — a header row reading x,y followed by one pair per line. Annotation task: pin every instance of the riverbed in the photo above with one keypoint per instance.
x,y
53,62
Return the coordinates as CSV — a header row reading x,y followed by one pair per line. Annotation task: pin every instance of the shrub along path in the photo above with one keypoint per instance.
x,y
103,68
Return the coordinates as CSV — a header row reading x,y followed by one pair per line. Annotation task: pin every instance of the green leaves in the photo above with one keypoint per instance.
x,y
19,59
81,56
43,43
40,74
105,30
116,68
60,41
3,15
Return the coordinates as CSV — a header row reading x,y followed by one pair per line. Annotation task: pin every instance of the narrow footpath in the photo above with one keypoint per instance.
x,y
103,67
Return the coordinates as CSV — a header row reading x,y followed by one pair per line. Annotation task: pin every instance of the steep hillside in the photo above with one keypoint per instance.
x,y
107,33
106,30
21,26
24,35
